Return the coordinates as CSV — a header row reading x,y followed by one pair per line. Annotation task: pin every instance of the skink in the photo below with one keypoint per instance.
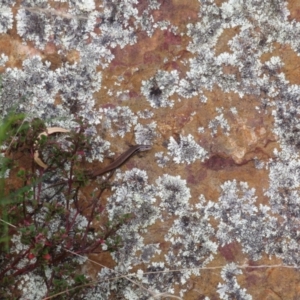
x,y
120,160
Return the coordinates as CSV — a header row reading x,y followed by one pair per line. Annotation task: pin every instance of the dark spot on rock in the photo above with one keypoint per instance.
x,y
195,176
155,91
229,251
217,163
185,220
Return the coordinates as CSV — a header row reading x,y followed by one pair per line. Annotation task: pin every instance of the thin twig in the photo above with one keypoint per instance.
x,y
69,290
62,14
168,295
8,223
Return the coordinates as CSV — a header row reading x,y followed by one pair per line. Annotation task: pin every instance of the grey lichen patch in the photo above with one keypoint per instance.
x,y
72,29
162,159
118,120
133,194
99,148
219,122
8,2
3,59
32,286
231,289
174,194
284,184
159,88
32,26
240,219
76,26
206,68
97,52
39,79
84,5
283,193
286,113
159,279
191,236
149,251
186,151
146,114
76,84
145,134
26,87
6,17
146,19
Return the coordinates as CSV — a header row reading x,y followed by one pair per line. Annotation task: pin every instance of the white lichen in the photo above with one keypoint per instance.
x,y
186,150
159,88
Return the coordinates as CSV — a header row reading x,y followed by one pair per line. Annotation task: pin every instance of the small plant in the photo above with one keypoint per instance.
x,y
43,219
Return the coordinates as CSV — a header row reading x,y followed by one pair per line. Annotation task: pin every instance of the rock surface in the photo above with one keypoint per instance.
x,y
214,87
